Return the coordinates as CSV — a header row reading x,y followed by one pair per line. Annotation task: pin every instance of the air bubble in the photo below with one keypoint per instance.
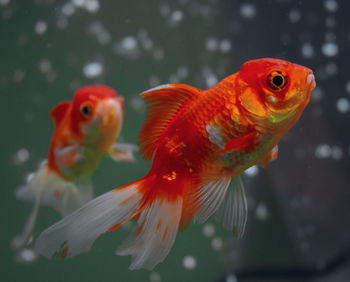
x,y
68,9
337,153
307,50
248,11
225,46
294,15
211,44
44,65
208,230
189,262
93,69
20,157
330,49
176,16
217,243
347,87
92,6
261,211
137,104
330,5
40,27
18,75
343,105
26,256
155,277
4,2
231,278
323,151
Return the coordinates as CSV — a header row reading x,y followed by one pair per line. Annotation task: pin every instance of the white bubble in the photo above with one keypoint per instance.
x,y
62,22
189,262
331,22
92,6
307,50
323,151
211,80
40,27
225,46
211,44
154,80
158,54
247,10
231,278
252,171
18,75
182,72
129,43
217,243
317,94
294,15
347,87
21,156
176,16
337,153
68,9
330,49
331,68
4,2
164,9
330,5
78,3
44,65
93,69
128,46
154,277
138,104
208,230
26,256
343,105
261,211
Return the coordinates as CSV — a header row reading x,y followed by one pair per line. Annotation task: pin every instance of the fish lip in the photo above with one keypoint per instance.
x,y
310,80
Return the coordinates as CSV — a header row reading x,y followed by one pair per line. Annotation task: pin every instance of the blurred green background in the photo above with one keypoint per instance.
x,y
298,207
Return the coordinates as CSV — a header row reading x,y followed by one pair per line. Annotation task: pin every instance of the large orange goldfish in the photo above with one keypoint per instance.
x,y
85,131
201,142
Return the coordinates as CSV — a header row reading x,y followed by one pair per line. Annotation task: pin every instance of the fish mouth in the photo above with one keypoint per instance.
x,y
310,80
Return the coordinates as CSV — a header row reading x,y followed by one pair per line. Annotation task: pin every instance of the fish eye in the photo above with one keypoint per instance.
x,y
85,109
276,81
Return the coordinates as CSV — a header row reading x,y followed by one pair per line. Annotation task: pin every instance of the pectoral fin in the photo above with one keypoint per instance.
x,y
240,143
270,156
123,152
68,156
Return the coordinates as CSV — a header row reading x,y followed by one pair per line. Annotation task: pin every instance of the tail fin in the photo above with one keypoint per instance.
x,y
158,221
46,188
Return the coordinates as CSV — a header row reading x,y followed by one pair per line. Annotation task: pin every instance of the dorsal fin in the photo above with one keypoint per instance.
x,y
58,112
164,102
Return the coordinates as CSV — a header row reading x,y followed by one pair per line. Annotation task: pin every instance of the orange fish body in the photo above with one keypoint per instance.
x,y
85,131
201,142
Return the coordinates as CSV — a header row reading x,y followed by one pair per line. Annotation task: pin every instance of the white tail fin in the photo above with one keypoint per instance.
x,y
155,236
76,232
46,188
158,220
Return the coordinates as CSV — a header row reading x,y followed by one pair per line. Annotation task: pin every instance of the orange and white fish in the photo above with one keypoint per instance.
x,y
85,131
201,142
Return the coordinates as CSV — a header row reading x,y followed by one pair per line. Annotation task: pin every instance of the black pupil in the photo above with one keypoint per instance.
x,y
85,110
278,80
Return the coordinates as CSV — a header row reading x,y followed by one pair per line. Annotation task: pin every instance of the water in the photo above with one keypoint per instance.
x,y
298,206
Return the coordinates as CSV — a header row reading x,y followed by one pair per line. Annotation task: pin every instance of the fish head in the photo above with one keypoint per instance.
x,y
274,93
97,115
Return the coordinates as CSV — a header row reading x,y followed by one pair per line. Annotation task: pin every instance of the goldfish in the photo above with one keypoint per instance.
x,y
85,131
200,142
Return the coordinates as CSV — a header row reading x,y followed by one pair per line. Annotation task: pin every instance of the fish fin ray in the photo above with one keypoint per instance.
x,y
208,198
243,142
76,232
234,209
59,111
123,152
158,225
164,102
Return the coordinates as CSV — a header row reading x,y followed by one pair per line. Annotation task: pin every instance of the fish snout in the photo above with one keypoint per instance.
x,y
310,80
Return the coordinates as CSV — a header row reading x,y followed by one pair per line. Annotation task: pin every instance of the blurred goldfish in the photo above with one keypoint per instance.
x,y
201,142
85,131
